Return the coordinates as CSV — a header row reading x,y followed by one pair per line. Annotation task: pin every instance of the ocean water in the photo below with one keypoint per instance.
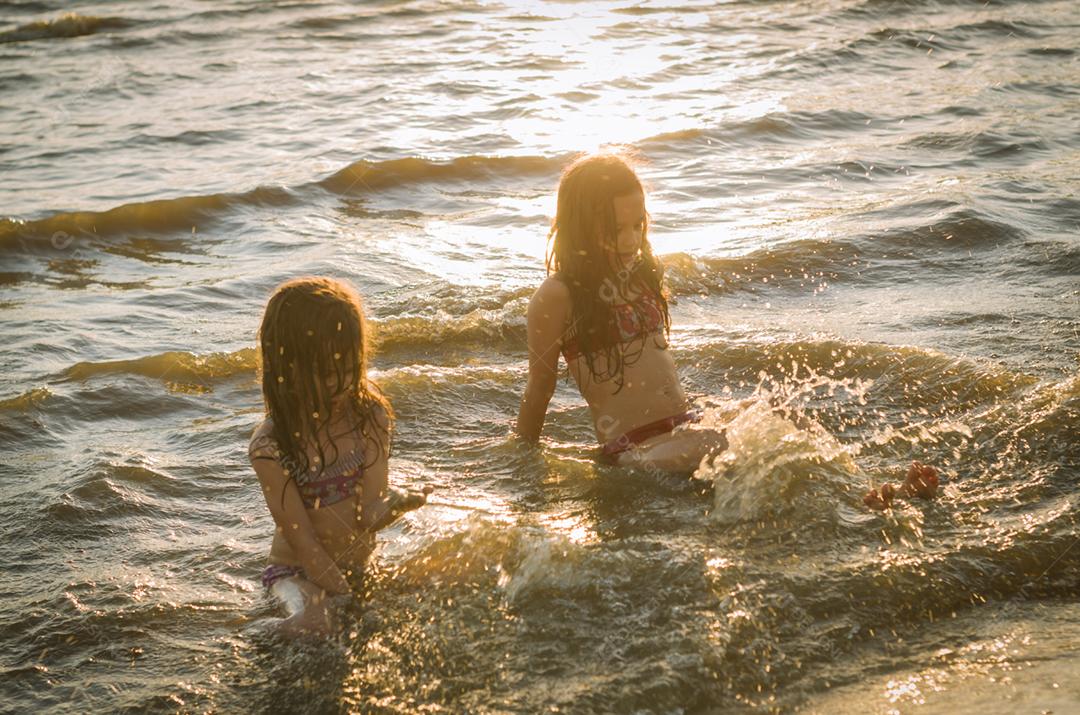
x,y
867,209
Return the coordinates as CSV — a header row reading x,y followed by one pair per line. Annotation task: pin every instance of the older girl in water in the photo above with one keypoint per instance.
x,y
603,307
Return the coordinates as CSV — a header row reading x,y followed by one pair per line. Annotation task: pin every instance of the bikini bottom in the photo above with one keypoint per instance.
x,y
275,572
636,436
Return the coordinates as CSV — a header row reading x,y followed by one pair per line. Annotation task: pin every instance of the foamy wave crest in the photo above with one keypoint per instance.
x,y
806,264
174,366
25,401
68,25
163,215
898,371
365,176
478,328
956,229
181,369
459,379
812,264
428,298
188,212
679,138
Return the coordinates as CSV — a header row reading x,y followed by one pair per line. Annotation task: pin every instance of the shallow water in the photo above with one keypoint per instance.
x,y
867,209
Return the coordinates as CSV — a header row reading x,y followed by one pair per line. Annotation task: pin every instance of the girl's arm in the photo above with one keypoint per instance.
x,y
373,501
379,504
292,519
546,321
373,484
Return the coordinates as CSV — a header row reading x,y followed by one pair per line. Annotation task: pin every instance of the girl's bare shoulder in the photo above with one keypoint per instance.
x,y
382,417
553,293
555,285
262,443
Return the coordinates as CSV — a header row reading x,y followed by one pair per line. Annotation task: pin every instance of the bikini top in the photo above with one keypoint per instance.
x,y
317,489
642,316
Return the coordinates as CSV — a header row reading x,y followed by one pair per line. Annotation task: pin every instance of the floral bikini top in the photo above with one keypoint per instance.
x,y
643,315
335,483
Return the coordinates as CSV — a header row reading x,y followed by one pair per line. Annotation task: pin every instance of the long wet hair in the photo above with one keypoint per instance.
x,y
313,347
584,218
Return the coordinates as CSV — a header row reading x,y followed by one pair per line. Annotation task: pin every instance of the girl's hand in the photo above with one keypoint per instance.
x,y
405,501
922,480
397,502
882,501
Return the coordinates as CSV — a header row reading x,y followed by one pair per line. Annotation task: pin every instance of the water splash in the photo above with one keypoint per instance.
x,y
774,449
543,561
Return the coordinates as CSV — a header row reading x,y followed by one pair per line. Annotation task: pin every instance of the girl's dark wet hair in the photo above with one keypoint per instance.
x,y
313,348
586,212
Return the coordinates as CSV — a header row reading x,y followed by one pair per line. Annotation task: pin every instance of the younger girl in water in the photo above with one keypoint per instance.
x,y
603,307
321,453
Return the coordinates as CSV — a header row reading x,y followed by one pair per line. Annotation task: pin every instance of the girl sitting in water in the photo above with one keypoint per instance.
x,y
321,453
603,308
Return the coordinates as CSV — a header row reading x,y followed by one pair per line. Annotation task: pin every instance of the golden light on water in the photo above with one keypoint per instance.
x,y
821,193
572,527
